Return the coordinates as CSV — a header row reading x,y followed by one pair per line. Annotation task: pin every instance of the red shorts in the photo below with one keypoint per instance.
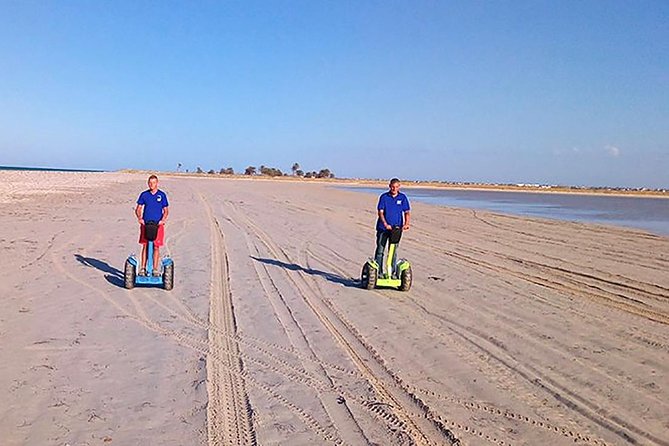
x,y
159,238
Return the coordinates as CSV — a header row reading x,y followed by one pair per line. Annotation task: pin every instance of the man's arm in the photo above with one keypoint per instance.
x,y
138,213
407,220
383,220
166,212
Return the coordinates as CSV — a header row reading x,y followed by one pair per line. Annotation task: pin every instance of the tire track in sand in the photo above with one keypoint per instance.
x,y
426,429
215,354
345,427
229,413
505,364
468,348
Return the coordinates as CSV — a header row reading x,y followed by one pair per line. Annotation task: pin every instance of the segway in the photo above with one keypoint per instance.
x,y
165,279
398,274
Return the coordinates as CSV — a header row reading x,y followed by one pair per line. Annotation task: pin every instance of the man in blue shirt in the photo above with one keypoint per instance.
x,y
152,206
393,210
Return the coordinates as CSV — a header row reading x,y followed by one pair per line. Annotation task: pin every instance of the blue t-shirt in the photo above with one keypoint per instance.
x,y
153,204
393,209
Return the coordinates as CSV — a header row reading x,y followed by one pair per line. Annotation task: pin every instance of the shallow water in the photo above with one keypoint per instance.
x,y
47,169
650,214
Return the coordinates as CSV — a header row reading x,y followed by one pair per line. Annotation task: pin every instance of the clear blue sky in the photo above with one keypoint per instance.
x,y
569,92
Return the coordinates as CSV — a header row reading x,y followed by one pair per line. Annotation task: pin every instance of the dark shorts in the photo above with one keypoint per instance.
x,y
159,238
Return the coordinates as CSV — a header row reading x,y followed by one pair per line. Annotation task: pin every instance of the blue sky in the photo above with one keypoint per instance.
x,y
568,92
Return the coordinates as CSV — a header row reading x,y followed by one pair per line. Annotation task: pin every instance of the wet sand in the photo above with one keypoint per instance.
x,y
516,331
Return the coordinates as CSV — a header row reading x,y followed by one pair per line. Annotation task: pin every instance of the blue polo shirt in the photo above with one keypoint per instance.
x,y
153,204
393,209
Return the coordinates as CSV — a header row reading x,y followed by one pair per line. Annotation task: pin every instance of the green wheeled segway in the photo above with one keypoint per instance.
x,y
398,274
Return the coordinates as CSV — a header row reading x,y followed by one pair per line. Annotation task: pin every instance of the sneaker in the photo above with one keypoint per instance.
x,y
156,273
142,272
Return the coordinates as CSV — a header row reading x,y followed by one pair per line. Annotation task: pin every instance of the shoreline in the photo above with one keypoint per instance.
x,y
420,184
417,184
21,185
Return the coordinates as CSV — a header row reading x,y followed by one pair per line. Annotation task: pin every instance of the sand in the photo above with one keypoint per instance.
x,y
516,331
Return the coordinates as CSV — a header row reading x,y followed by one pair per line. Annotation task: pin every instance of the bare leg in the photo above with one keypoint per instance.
x,y
143,257
156,257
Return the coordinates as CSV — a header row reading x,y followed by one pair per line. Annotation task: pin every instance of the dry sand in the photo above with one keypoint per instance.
x,y
516,332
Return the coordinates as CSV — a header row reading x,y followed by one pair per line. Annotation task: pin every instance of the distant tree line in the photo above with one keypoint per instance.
x,y
268,171
222,171
323,173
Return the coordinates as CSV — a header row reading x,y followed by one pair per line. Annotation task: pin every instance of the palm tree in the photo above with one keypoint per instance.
x,y
295,168
323,173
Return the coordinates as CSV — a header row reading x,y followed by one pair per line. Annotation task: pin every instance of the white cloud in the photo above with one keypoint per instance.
x,y
612,151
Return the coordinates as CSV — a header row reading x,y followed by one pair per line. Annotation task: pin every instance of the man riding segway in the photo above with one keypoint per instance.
x,y
151,212
394,216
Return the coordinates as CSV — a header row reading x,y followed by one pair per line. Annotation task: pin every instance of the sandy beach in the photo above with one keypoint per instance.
x,y
516,331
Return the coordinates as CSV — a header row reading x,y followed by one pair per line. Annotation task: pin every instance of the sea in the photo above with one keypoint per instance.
x,y
48,169
649,214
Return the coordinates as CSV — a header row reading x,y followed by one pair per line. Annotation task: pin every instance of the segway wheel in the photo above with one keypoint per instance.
x,y
368,277
168,276
406,278
129,275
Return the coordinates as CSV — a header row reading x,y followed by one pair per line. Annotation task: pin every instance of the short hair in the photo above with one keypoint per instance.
x,y
152,177
394,180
